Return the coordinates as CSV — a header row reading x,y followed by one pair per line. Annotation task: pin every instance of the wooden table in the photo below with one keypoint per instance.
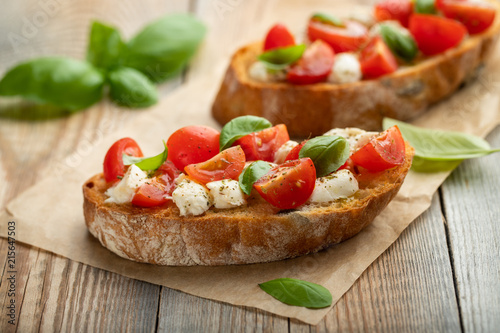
x,y
443,273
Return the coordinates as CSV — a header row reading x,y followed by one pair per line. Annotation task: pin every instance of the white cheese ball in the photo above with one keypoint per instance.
x,y
340,184
191,198
356,137
259,72
124,191
226,193
346,69
282,152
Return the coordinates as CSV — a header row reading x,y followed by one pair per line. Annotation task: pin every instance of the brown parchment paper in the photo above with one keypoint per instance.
x,y
49,215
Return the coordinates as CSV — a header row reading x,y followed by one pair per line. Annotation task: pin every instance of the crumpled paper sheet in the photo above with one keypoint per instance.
x,y
49,215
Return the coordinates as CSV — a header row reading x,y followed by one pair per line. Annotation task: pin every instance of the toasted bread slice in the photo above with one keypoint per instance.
x,y
314,109
256,232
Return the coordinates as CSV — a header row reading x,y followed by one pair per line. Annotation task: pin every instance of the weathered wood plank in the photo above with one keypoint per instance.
x,y
472,211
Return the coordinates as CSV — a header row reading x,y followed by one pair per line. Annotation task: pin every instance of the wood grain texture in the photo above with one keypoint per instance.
x,y
472,209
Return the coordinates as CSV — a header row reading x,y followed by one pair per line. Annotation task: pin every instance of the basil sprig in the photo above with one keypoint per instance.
x,y
282,57
425,6
328,153
400,43
239,127
161,50
437,150
147,163
328,19
298,292
252,173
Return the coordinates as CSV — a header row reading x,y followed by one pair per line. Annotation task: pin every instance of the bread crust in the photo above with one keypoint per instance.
x,y
314,109
256,232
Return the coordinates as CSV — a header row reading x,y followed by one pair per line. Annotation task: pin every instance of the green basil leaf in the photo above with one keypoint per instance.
x,y
328,19
163,48
422,165
298,292
282,57
239,127
147,163
105,46
436,145
252,173
67,83
401,44
129,87
425,6
328,153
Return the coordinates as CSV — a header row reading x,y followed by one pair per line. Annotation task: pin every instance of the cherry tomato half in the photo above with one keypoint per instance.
x,y
476,16
399,10
228,164
314,66
435,34
383,152
154,192
264,144
113,161
288,185
192,144
341,39
278,36
294,153
377,59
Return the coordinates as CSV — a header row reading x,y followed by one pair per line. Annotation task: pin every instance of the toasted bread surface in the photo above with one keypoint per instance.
x,y
253,233
313,109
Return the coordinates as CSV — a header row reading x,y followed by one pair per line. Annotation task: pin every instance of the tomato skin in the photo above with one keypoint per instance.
x,y
383,152
228,164
264,144
341,39
192,144
113,161
294,153
288,185
377,59
435,34
475,17
399,10
314,66
278,36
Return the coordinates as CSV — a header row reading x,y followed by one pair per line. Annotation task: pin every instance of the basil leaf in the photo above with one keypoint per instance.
x,y
163,48
147,163
422,165
129,87
105,46
436,145
425,6
328,19
401,44
239,127
282,57
252,173
328,153
63,82
298,292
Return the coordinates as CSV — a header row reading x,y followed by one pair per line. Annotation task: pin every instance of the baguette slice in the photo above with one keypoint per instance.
x,y
257,232
314,109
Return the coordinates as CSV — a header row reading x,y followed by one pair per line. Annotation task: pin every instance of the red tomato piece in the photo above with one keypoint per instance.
x,y
294,153
399,10
228,164
264,144
341,39
288,185
383,152
278,36
377,59
192,144
476,16
435,34
113,161
314,66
